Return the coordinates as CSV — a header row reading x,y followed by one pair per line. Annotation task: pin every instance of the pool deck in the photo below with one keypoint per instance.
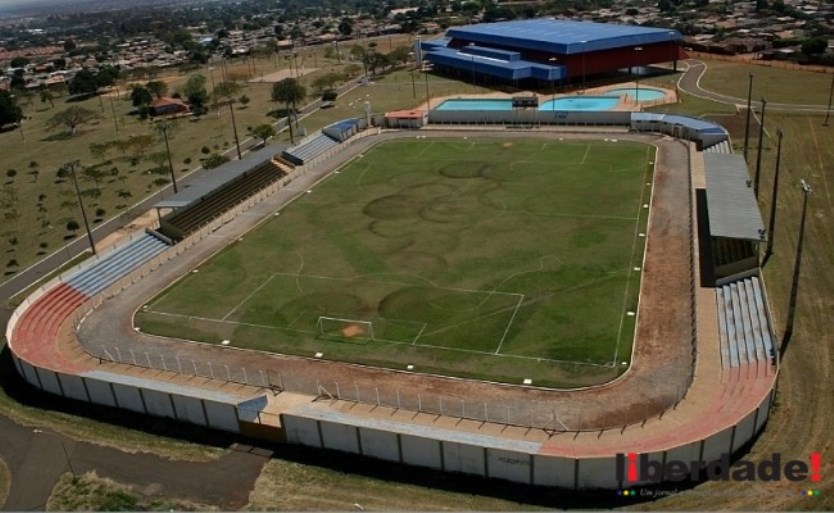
x,y
624,104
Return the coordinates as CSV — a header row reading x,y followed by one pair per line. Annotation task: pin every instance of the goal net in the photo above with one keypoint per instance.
x,y
349,329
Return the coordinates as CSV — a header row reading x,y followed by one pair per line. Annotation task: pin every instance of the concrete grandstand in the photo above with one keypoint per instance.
x,y
548,51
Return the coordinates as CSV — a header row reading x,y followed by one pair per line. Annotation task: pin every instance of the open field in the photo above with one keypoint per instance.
x,y
44,204
775,84
472,258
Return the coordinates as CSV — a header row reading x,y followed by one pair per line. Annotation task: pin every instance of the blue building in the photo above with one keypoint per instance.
x,y
547,50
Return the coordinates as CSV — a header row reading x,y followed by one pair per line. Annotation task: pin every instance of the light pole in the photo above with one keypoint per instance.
x,y
830,96
759,151
428,96
234,129
551,60
164,127
472,65
772,224
747,125
637,90
583,65
64,447
113,110
71,168
806,191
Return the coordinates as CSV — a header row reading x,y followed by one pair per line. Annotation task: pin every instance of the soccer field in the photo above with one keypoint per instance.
x,y
498,260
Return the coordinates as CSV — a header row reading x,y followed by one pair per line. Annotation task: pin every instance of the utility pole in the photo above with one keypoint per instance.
x,y
164,127
759,152
772,225
234,129
428,97
72,167
113,110
806,191
830,96
747,125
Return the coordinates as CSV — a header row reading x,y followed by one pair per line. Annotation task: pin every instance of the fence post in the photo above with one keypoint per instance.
x,y
263,378
338,392
486,415
133,356
179,365
195,367
398,399
148,356
245,377
356,388
228,373
162,357
118,354
377,395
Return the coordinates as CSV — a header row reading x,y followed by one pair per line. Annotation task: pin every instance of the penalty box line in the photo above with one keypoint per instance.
x,y
429,346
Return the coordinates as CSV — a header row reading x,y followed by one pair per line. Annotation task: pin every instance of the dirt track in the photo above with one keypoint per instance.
x,y
663,351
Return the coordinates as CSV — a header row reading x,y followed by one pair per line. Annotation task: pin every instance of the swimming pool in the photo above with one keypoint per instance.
x,y
642,94
476,104
565,103
581,103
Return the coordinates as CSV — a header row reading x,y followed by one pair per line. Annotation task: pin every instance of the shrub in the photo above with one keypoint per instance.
x,y
73,225
100,212
187,161
205,150
214,160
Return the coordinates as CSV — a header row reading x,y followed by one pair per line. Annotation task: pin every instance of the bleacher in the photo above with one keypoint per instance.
x,y
720,147
180,223
310,149
743,324
94,278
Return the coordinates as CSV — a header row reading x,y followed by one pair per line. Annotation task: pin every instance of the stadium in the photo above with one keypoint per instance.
x,y
548,51
431,313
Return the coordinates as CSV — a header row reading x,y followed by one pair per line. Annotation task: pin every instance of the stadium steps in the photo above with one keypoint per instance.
x,y
219,201
746,336
312,148
100,275
721,147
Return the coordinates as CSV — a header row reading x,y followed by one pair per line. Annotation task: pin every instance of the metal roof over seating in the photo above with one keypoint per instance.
x,y
562,36
731,204
213,179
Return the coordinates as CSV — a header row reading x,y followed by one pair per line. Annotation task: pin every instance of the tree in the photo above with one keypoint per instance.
x,y
71,118
264,132
69,45
9,111
19,62
244,100
46,97
346,27
329,95
140,95
84,82
290,92
400,54
157,88
73,226
814,46
195,92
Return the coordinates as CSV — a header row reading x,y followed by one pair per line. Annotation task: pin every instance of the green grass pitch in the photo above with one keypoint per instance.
x,y
492,259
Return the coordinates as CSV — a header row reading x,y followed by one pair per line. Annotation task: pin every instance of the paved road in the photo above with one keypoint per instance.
x,y
36,461
690,82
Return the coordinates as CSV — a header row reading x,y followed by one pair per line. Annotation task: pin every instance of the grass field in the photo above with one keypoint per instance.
x,y
480,258
775,84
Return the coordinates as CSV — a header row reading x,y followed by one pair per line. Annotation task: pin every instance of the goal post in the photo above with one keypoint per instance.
x,y
336,327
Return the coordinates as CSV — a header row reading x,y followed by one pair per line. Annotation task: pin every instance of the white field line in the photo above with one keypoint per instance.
x,y
420,153
631,260
507,329
420,333
247,298
443,348
587,150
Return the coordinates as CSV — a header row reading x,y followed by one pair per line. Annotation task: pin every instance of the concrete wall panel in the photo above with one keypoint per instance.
x,y
189,409
464,458
301,431
17,365
598,473
339,437
222,416
49,381
100,392
509,465
764,411
73,387
689,452
380,444
29,374
553,471
128,398
744,430
158,403
717,444
421,452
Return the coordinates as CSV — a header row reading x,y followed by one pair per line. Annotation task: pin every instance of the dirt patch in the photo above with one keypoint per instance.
x,y
146,220
353,330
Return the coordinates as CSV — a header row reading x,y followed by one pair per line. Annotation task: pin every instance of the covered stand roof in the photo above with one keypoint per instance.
x,y
731,204
218,177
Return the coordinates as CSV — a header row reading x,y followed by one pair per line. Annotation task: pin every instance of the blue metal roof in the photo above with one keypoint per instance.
x,y
562,36
482,65
702,126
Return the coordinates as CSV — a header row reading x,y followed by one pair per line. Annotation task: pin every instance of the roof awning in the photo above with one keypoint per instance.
x,y
731,205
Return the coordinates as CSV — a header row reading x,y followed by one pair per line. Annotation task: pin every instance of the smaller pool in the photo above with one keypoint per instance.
x,y
475,104
641,94
581,103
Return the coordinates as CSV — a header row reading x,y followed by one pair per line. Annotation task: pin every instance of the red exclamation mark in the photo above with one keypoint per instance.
x,y
632,466
816,460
